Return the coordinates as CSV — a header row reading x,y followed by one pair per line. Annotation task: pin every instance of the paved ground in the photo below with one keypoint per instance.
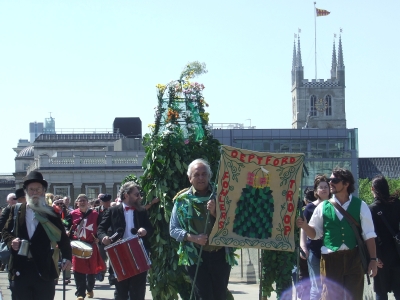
x,y
102,291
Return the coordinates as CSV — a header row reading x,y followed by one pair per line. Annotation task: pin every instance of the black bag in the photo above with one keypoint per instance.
x,y
396,236
4,251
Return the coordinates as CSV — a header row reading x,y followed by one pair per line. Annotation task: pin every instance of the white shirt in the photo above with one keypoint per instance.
x,y
129,220
31,222
367,225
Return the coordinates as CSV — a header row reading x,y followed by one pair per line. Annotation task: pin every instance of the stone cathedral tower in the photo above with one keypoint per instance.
x,y
318,103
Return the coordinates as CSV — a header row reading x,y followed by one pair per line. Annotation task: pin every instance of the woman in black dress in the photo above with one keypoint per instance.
x,y
388,277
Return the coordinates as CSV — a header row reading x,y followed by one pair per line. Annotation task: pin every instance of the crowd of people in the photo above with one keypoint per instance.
x,y
328,240
47,234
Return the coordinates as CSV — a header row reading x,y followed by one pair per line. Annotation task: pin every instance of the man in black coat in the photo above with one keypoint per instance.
x,y
122,219
33,271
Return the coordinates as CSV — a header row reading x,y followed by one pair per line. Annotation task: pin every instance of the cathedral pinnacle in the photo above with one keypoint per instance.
x,y
334,62
299,63
340,54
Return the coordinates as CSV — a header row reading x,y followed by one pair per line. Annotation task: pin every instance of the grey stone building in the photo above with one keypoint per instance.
x,y
318,103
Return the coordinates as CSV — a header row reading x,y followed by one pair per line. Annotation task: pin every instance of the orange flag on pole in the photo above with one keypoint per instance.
x,y
322,12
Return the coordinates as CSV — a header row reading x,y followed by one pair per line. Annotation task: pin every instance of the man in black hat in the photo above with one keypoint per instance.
x,y
33,267
105,202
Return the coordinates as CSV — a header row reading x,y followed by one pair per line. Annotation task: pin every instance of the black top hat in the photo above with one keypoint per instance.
x,y
35,176
19,193
105,197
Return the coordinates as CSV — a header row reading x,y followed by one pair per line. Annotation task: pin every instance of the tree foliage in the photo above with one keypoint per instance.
x,y
364,188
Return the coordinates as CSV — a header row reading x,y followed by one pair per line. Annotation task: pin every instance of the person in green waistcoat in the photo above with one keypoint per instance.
x,y
340,261
187,225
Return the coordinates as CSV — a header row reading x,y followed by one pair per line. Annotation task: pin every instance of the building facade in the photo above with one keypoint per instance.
x,y
318,103
324,149
88,164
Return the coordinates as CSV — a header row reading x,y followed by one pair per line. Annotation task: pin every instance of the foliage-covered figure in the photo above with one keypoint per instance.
x,y
180,135
277,267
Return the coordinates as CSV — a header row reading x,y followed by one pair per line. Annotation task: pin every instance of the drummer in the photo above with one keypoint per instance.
x,y
83,227
123,218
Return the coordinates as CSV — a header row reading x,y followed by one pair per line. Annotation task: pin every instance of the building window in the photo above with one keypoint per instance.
x,y
118,187
61,190
313,109
92,191
328,104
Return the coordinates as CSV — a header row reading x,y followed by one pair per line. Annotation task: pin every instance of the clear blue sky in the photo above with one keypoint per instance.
x,y
88,62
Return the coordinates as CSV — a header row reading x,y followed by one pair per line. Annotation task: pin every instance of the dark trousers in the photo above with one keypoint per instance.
x,y
83,282
133,288
387,280
342,275
30,286
103,255
212,276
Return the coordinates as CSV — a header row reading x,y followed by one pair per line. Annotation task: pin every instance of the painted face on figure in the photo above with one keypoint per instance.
x,y
133,199
336,185
323,190
35,191
199,177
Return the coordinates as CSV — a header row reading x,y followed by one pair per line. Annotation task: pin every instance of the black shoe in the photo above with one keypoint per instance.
x,y
112,280
100,277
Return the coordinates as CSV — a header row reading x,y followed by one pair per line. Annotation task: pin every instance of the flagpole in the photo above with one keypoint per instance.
x,y
315,38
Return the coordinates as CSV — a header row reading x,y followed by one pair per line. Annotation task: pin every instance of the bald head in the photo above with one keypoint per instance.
x,y
10,199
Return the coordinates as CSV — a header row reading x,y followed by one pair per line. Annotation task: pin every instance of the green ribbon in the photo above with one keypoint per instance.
x,y
53,232
198,129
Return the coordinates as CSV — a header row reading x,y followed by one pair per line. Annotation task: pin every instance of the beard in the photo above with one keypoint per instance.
x,y
38,204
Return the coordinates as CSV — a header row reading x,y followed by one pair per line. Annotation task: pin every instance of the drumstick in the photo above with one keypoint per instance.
x,y
69,232
95,239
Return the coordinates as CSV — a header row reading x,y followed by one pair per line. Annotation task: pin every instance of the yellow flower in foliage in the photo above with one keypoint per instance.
x,y
205,116
161,87
151,126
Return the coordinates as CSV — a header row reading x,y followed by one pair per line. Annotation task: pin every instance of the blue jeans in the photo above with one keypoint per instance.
x,y
313,270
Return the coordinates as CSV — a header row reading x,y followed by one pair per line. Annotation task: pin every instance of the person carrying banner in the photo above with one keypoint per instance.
x,y
33,243
83,224
340,258
187,224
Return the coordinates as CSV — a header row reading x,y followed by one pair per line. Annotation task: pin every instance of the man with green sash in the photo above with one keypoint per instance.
x,y
187,225
342,274
34,243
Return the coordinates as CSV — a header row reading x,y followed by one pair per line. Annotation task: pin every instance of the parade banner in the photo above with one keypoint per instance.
x,y
256,199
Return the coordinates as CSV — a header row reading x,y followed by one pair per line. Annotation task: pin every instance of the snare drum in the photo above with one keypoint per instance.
x,y
128,257
81,249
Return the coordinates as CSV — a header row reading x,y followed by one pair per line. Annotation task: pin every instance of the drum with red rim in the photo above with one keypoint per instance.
x,y
128,257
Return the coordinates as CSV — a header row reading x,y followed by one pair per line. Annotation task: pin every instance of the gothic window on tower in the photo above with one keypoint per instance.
x,y
328,104
313,109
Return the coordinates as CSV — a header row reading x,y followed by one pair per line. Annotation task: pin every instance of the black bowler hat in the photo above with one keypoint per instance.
x,y
35,176
19,193
105,197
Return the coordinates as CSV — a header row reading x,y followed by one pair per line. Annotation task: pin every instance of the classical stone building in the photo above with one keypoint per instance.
x,y
318,103
75,163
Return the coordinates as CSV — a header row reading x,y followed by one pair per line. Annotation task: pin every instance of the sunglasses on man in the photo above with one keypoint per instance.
x,y
334,180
